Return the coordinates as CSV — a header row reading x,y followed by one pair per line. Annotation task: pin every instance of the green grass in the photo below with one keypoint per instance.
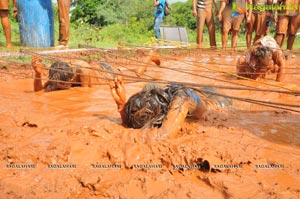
x,y
111,36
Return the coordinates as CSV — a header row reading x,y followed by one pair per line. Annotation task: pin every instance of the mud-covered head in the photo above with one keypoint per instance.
x,y
261,57
60,75
147,108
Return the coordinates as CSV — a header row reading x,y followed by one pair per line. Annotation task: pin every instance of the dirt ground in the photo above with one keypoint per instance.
x,y
242,151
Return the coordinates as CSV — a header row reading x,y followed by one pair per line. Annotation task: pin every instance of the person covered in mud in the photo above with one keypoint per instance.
x,y
230,23
288,22
265,56
163,107
202,9
63,75
257,21
74,72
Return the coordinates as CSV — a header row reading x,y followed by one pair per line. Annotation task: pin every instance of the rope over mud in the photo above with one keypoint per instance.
x,y
250,146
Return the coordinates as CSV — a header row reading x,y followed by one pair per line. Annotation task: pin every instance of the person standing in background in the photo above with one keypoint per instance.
x,y
158,16
294,25
202,9
64,22
4,4
257,21
288,22
229,23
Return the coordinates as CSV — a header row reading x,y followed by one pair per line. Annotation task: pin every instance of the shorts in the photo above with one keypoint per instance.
x,y
204,15
288,24
229,23
4,4
257,23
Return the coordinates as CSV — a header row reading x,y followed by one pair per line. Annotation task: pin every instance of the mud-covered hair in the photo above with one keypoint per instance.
x,y
263,55
261,52
147,108
59,71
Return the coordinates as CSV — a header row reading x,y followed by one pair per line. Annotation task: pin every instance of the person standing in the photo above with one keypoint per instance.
x,y
158,16
229,23
294,25
202,9
257,21
64,22
288,22
4,4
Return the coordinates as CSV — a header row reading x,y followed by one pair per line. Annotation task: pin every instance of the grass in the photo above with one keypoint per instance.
x,y
111,36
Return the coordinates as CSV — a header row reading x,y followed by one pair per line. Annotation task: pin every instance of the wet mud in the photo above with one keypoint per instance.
x,y
71,143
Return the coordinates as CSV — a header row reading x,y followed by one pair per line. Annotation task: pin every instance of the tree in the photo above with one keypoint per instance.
x,y
182,15
106,12
85,11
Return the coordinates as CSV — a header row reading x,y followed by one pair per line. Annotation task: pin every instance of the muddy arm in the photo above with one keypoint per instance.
x,y
281,67
194,8
119,95
175,118
152,57
216,7
222,7
37,84
156,2
249,11
241,66
179,110
37,66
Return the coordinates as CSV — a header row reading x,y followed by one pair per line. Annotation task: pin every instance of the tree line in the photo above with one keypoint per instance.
x,y
132,13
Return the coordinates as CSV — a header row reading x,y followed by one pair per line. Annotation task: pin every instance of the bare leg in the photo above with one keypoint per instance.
x,y
290,42
279,38
6,27
201,20
249,28
211,30
248,39
224,39
234,34
200,34
64,21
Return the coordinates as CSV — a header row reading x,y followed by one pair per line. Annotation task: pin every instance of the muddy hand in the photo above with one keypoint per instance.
x,y
219,16
153,57
118,92
194,13
16,15
37,64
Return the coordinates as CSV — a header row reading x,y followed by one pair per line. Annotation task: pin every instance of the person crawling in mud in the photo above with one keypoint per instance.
x,y
265,56
63,75
163,107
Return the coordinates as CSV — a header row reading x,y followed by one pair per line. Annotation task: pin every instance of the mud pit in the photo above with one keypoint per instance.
x,y
81,128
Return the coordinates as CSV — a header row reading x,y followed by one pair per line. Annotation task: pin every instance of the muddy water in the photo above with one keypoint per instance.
x,y
81,126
